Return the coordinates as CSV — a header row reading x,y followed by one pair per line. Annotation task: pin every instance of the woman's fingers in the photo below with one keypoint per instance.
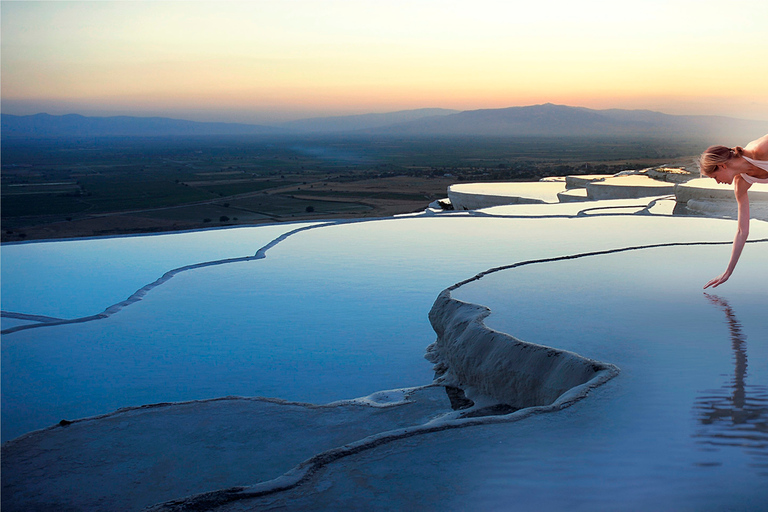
x,y
714,283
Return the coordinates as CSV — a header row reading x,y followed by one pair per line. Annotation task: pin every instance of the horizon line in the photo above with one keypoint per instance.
x,y
453,111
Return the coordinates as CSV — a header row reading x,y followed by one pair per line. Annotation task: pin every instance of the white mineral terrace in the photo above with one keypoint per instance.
x,y
704,195
572,363
700,195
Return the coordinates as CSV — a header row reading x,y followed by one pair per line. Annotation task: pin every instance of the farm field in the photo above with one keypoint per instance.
x,y
62,188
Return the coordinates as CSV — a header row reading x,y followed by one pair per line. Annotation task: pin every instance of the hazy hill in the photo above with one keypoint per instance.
x,y
363,121
74,125
546,120
550,120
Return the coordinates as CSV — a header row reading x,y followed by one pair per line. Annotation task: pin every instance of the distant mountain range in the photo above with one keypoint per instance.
x,y
75,125
546,120
364,121
550,120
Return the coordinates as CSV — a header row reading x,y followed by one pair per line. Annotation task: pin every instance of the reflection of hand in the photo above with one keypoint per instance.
x,y
714,283
717,301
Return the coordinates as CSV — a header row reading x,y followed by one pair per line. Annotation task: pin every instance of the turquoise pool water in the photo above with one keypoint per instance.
x,y
340,311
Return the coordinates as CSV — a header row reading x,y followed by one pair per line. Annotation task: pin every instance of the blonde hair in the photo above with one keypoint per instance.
x,y
716,155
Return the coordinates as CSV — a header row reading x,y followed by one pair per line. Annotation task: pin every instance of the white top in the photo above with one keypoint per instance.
x,y
763,164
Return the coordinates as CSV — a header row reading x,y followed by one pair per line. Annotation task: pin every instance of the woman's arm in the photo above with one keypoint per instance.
x,y
742,232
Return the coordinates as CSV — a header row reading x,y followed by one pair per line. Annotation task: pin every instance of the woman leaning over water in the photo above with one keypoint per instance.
x,y
742,167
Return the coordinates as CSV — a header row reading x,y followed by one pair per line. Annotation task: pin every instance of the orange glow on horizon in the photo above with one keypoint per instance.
x,y
274,58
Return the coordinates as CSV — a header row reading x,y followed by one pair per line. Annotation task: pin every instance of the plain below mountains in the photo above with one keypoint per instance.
x,y
546,120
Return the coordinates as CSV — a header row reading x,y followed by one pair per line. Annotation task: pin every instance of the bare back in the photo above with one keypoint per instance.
x,y
757,149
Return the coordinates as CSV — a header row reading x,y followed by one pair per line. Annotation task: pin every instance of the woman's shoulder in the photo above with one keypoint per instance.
x,y
758,149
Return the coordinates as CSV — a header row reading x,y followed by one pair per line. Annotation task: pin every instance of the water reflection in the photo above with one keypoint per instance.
x,y
736,414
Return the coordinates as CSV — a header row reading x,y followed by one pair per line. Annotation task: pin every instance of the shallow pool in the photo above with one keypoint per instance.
x,y
339,311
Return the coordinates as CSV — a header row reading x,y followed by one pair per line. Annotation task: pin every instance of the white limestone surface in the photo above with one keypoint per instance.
x,y
631,186
494,367
573,195
473,196
707,188
582,180
340,311
657,206
707,197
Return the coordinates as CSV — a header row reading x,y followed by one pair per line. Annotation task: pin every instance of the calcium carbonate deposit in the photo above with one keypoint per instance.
x,y
526,357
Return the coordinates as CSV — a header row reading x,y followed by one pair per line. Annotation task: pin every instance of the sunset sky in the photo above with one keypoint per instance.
x,y
267,60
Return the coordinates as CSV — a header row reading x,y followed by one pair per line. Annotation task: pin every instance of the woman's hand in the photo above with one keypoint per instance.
x,y
740,187
714,283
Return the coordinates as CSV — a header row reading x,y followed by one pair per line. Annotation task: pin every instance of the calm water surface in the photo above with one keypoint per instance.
x,y
341,312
